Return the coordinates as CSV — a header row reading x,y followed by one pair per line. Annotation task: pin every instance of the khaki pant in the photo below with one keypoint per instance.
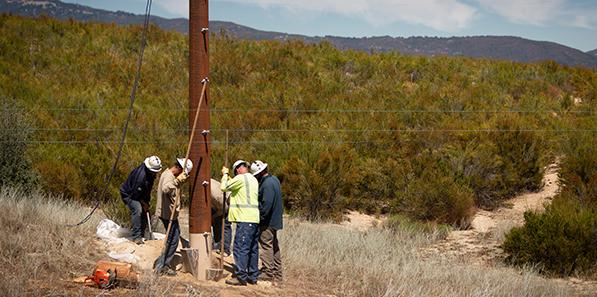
x,y
269,252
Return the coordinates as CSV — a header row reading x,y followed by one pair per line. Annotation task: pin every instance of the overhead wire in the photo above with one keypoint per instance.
x,y
130,112
317,130
290,110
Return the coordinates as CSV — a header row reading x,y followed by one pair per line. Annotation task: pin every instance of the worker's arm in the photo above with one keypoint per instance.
x,y
228,185
139,187
267,199
170,186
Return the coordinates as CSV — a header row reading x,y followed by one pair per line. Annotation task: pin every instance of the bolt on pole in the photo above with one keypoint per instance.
x,y
200,206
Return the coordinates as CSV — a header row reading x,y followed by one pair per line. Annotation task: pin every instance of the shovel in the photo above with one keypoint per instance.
x,y
218,273
159,263
149,225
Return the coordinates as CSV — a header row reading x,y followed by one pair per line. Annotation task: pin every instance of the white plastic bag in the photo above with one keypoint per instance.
x,y
124,257
111,232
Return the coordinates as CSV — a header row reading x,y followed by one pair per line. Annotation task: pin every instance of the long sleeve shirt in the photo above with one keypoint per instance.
x,y
138,185
167,196
270,202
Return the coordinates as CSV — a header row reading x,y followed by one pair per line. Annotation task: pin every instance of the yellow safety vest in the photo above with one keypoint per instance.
x,y
244,203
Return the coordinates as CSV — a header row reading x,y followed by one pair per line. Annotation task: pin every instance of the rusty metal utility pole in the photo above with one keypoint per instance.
x,y
200,208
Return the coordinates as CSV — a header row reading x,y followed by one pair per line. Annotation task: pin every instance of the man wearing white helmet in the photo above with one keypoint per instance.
x,y
136,194
244,211
270,222
170,181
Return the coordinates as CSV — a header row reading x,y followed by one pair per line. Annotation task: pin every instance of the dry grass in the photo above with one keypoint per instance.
x,y
36,248
383,263
39,256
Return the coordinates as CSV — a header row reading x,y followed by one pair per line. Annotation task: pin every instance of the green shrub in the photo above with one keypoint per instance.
x,y
431,195
562,240
318,191
578,173
498,165
376,183
15,166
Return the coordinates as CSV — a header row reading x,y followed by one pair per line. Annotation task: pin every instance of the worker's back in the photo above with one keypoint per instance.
x,y
244,203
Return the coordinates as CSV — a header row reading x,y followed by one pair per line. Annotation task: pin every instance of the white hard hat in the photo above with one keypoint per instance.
x,y
257,167
153,163
189,165
238,163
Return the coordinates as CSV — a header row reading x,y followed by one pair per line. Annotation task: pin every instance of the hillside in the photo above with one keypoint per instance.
x,y
385,126
493,47
431,143
593,52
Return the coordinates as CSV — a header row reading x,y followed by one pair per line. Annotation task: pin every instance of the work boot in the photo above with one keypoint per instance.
x,y
226,253
166,270
138,241
235,282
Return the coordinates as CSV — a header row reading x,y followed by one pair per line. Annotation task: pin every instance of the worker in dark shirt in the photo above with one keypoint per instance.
x,y
136,194
270,222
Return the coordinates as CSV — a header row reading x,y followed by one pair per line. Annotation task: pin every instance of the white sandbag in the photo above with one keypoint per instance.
x,y
111,232
216,197
124,257
159,236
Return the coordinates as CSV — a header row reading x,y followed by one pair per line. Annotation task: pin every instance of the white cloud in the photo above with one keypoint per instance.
x,y
177,7
544,12
442,15
535,12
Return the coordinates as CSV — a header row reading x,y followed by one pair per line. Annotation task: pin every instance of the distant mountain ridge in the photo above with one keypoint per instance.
x,y
493,47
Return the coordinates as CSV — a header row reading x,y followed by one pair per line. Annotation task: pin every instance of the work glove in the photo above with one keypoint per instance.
x,y
182,177
224,170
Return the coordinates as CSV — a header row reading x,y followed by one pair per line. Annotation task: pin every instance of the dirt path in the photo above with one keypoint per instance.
x,y
480,244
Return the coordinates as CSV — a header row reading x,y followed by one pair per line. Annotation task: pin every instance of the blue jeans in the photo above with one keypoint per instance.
x,y
138,219
246,252
217,236
172,243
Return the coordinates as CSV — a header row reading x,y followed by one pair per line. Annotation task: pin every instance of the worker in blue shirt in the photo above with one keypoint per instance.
x,y
270,214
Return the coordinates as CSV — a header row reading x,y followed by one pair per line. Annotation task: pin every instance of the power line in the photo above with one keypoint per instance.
x,y
314,130
253,110
129,115
221,143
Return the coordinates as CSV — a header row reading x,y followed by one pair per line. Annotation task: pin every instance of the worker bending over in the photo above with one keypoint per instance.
x,y
244,211
136,194
166,208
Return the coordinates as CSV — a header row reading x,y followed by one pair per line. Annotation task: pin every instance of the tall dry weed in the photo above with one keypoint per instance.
x,y
385,263
37,248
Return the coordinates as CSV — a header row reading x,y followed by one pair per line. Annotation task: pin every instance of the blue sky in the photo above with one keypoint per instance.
x,y
569,22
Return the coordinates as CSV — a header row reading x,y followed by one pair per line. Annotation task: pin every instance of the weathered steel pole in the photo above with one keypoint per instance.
x,y
200,208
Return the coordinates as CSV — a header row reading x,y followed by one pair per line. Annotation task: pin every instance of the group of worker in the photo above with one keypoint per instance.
x,y
255,206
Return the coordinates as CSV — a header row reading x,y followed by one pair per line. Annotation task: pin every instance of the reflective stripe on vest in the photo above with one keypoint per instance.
x,y
248,193
244,206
